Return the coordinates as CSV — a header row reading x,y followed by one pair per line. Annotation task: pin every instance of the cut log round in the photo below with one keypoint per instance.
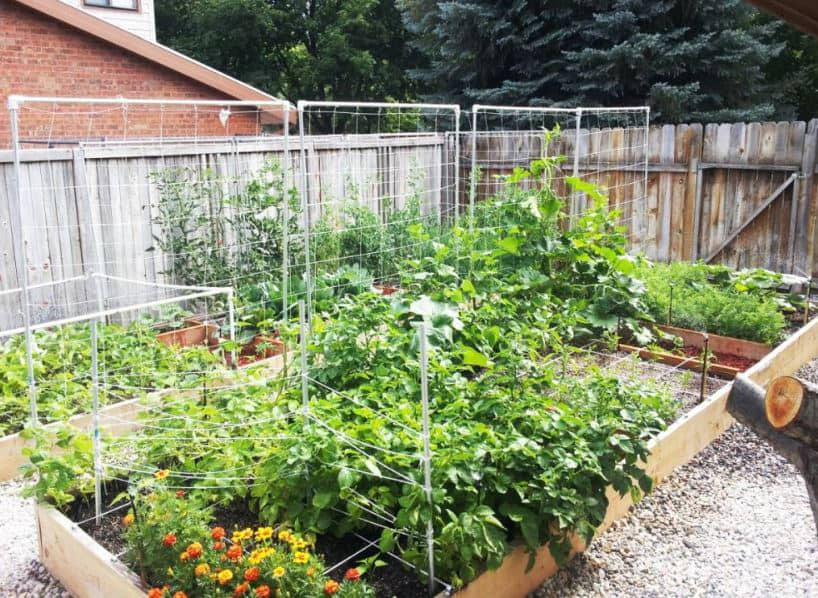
x,y
791,406
783,401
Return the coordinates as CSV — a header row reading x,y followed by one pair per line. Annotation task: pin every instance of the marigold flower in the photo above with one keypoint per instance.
x,y
224,576
241,589
184,557
195,550
161,474
234,552
252,574
264,533
217,533
311,572
180,594
180,494
127,520
331,587
300,544
263,592
169,539
279,572
284,536
241,536
155,593
352,574
301,558
218,546
201,569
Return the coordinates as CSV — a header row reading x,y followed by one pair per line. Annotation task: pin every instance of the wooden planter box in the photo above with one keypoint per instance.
x,y
718,344
89,571
194,333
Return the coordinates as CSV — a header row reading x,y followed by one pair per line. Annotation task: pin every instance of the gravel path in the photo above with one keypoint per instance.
x,y
21,574
736,521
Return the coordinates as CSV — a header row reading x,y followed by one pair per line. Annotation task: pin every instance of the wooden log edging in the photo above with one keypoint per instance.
x,y
90,571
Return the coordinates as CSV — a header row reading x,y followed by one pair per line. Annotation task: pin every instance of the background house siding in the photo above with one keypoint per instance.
x,y
141,22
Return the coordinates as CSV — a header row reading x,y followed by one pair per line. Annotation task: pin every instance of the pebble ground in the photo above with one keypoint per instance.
x,y
736,521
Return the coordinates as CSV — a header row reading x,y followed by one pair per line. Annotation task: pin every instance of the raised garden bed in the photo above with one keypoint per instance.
x,y
191,334
117,419
728,356
90,571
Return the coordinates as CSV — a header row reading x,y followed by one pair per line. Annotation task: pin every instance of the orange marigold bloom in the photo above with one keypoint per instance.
x,y
127,520
310,571
195,550
169,540
263,592
241,589
180,594
234,552
352,574
155,593
218,546
180,494
184,557
201,569
217,533
252,574
331,587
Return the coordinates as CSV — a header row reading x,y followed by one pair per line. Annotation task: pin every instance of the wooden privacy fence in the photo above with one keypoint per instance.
x,y
740,194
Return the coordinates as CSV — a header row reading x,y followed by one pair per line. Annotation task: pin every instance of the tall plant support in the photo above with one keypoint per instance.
x,y
595,153
13,106
427,452
285,209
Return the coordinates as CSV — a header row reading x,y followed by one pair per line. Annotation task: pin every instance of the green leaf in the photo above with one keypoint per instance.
x,y
473,357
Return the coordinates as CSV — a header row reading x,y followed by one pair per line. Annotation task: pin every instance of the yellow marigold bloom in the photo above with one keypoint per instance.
x,y
279,572
161,474
310,571
255,557
224,576
284,536
301,545
201,569
301,558
264,533
241,536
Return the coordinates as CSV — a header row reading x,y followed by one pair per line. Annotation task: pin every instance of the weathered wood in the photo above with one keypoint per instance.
x,y
752,217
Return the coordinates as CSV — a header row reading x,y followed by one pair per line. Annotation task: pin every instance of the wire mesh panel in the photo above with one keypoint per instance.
x,y
370,173
607,147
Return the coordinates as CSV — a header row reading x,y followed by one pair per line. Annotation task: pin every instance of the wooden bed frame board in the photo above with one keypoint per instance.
x,y
90,571
117,419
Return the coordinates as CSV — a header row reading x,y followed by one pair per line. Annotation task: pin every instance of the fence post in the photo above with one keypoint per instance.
x,y
805,244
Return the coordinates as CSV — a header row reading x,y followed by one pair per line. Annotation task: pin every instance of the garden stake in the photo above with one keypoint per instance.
x,y
705,355
231,318
670,308
806,301
427,454
95,407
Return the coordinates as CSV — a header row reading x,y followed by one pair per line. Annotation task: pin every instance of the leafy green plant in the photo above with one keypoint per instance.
x,y
707,298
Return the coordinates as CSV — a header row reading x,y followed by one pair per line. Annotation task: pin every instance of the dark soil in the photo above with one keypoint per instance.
x,y
395,580
727,359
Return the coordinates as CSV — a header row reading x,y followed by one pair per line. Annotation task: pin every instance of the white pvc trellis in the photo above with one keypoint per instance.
x,y
381,155
596,143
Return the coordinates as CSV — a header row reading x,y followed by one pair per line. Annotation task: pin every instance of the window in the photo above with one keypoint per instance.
x,y
123,4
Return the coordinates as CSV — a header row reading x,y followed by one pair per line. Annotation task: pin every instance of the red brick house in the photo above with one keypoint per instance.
x,y
53,48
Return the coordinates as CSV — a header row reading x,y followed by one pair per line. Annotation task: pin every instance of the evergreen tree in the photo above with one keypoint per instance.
x,y
689,59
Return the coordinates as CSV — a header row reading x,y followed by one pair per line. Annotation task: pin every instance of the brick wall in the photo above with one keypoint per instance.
x,y
40,56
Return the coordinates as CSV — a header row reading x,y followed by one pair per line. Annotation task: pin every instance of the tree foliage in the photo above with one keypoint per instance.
x,y
688,59
298,49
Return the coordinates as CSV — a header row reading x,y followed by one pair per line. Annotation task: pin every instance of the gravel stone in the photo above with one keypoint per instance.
x,y
735,521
